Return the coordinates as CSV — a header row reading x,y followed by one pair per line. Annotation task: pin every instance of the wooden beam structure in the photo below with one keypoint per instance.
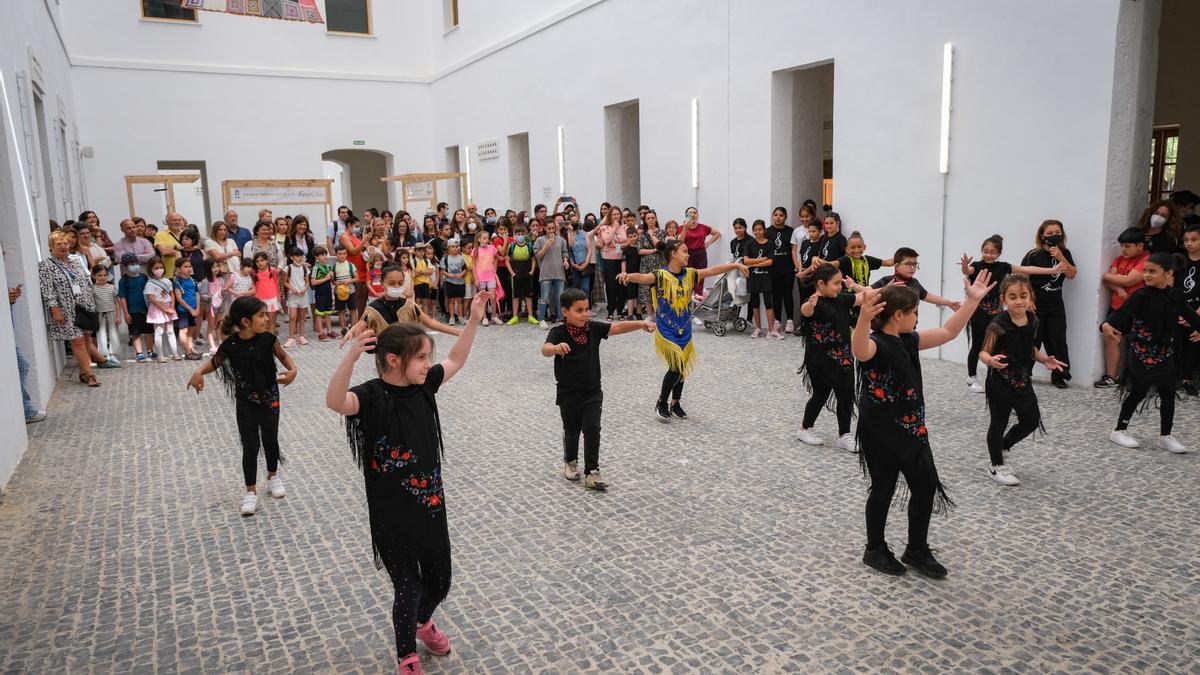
x,y
408,179
168,182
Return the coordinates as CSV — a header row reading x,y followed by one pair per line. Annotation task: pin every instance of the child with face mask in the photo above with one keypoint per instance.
x,y
131,294
396,305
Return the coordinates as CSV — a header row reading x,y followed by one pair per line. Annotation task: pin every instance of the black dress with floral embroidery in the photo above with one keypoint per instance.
x,y
891,407
1016,343
827,354
397,441
1148,319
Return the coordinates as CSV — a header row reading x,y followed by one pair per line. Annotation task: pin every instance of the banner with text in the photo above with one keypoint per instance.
x,y
277,195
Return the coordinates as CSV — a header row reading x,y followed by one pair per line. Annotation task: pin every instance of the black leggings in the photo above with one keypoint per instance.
x,y
781,294
979,323
421,582
767,300
1166,406
253,419
1187,354
672,385
582,416
614,294
505,280
1028,419
843,389
1053,334
885,468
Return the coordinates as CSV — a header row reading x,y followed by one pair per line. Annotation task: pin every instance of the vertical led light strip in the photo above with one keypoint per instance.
x,y
695,143
562,167
12,128
467,149
947,80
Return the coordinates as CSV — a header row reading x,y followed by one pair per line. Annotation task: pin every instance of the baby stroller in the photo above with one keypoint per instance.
x,y
722,306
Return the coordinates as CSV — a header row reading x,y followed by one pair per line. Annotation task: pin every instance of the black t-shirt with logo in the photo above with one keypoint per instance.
x,y
1047,288
578,372
780,241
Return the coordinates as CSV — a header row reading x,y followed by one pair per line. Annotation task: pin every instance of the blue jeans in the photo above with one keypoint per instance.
x,y
551,289
583,282
23,371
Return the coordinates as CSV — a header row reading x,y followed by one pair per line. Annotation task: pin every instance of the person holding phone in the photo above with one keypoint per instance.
x,y
1050,249
698,238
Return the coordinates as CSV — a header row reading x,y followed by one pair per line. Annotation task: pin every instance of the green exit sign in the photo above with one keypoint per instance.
x,y
360,142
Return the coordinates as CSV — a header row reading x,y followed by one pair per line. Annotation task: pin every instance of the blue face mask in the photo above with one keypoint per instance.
x,y
520,239
491,220
135,269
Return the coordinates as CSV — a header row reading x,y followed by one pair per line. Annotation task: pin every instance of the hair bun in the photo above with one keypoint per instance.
x,y
998,238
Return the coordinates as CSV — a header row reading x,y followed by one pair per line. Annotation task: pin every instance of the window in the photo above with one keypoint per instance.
x,y
348,16
450,14
166,9
1164,153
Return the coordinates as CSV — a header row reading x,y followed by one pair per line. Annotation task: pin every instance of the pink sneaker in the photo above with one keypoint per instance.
x,y
434,639
410,665
289,343
303,341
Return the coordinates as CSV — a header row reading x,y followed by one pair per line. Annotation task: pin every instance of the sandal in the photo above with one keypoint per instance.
x,y
89,380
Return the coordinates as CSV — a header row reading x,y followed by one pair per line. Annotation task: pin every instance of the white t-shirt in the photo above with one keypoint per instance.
x,y
230,246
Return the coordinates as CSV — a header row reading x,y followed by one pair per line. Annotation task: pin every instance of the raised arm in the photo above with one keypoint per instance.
x,y
860,340
967,270
935,299
635,278
433,324
936,337
457,358
721,269
623,327
338,396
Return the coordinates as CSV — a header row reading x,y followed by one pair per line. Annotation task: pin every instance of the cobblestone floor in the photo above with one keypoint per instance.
x,y
723,546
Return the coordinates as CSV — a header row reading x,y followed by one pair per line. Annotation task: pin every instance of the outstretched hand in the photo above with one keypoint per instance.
x,y
562,349
479,305
998,362
982,286
1053,363
196,381
623,278
966,261
872,305
649,326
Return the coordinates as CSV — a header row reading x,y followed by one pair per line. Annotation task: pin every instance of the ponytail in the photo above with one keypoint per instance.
x,y
241,309
666,247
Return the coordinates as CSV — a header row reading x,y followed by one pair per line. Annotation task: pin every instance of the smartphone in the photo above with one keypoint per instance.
x,y
567,198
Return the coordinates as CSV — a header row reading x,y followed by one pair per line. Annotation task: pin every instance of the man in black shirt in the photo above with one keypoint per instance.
x,y
575,346
783,270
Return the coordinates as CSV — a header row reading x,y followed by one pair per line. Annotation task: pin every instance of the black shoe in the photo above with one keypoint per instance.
x,y
881,558
1104,382
678,411
1189,388
1061,384
663,411
923,561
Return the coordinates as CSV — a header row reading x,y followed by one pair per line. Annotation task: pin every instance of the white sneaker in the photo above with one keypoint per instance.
x,y
1123,439
756,334
846,442
485,321
698,322
1169,444
543,325
1003,476
974,386
779,335
790,327
809,438
249,503
275,485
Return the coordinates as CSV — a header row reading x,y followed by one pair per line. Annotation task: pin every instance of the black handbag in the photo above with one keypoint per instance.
x,y
86,319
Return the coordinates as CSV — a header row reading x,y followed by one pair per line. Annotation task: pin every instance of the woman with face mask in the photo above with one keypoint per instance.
x,y
1050,249
1163,227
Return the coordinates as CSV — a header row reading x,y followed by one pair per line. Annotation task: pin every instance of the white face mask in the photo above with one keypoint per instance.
x,y
393,292
158,273
1157,221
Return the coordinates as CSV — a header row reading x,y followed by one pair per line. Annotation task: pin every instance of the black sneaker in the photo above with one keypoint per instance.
x,y
923,561
1189,388
663,411
1104,382
881,558
678,411
1061,384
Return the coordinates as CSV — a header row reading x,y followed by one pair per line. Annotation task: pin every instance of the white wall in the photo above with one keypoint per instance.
x,y
1030,126
29,32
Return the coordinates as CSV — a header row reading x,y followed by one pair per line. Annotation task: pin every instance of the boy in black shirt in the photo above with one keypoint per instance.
x,y
575,346
906,267
1187,284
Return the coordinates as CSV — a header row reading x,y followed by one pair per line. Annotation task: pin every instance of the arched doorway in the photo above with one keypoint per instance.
x,y
359,171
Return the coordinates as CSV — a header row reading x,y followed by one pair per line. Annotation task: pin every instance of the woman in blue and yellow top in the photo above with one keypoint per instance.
x,y
671,296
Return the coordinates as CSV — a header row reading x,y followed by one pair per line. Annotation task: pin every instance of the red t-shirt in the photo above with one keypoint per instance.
x,y
695,237
1125,265
360,265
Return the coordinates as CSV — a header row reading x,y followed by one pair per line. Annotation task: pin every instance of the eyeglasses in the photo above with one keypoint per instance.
x,y
913,265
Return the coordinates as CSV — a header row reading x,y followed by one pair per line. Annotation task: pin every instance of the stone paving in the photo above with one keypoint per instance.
x,y
723,546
